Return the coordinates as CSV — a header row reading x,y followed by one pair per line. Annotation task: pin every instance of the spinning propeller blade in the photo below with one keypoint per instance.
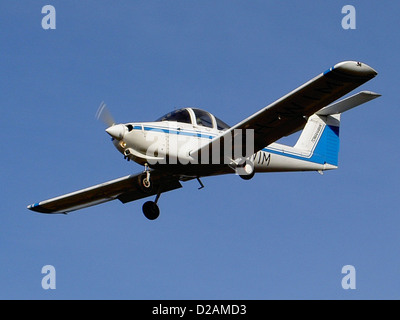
x,y
104,115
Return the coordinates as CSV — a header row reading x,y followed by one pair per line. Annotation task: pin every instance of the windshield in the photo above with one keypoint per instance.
x,y
181,115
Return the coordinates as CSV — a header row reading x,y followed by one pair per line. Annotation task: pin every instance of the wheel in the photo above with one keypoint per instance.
x,y
145,184
246,170
151,210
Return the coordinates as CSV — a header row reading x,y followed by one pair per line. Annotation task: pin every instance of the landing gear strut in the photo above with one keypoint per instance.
x,y
150,208
144,180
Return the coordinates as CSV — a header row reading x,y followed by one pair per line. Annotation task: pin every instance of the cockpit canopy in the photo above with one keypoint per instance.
x,y
195,117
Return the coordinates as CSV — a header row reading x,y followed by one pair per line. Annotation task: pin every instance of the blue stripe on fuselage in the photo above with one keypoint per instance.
x,y
177,132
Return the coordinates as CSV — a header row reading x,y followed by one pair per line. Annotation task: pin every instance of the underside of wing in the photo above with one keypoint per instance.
x,y
290,112
125,189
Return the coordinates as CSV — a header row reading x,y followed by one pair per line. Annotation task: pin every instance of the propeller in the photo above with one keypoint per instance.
x,y
117,131
104,115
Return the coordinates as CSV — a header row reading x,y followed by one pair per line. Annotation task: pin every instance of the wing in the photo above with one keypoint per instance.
x,y
125,189
290,112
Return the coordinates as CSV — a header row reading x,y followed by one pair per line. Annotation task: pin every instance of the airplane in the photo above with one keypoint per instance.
x,y
191,143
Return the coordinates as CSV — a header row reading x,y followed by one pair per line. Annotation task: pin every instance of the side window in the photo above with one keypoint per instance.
x,y
221,125
203,118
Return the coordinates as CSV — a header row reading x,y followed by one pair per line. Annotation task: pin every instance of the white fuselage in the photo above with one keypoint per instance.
x,y
165,142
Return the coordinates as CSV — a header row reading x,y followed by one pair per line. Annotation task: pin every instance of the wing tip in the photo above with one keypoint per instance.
x,y
38,208
371,94
353,68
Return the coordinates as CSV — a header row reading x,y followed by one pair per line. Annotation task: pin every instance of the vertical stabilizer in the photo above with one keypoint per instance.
x,y
320,137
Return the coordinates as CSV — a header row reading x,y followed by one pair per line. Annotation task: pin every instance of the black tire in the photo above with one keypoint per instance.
x,y
247,176
151,210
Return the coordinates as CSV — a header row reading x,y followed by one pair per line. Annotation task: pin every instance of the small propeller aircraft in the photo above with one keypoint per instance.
x,y
191,143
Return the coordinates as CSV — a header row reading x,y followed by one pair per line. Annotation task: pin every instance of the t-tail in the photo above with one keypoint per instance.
x,y
318,145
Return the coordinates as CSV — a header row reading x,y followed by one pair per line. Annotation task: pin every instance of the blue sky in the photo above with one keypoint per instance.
x,y
278,236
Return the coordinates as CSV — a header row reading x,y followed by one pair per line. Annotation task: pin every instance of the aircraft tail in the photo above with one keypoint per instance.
x,y
320,139
320,136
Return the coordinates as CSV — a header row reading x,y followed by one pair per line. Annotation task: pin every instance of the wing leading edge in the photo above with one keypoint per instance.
x,y
292,110
125,189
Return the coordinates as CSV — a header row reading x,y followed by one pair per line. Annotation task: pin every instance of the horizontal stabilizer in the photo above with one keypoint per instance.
x,y
348,103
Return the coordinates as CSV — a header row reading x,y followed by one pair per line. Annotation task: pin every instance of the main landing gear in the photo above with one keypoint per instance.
x,y
245,169
150,208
